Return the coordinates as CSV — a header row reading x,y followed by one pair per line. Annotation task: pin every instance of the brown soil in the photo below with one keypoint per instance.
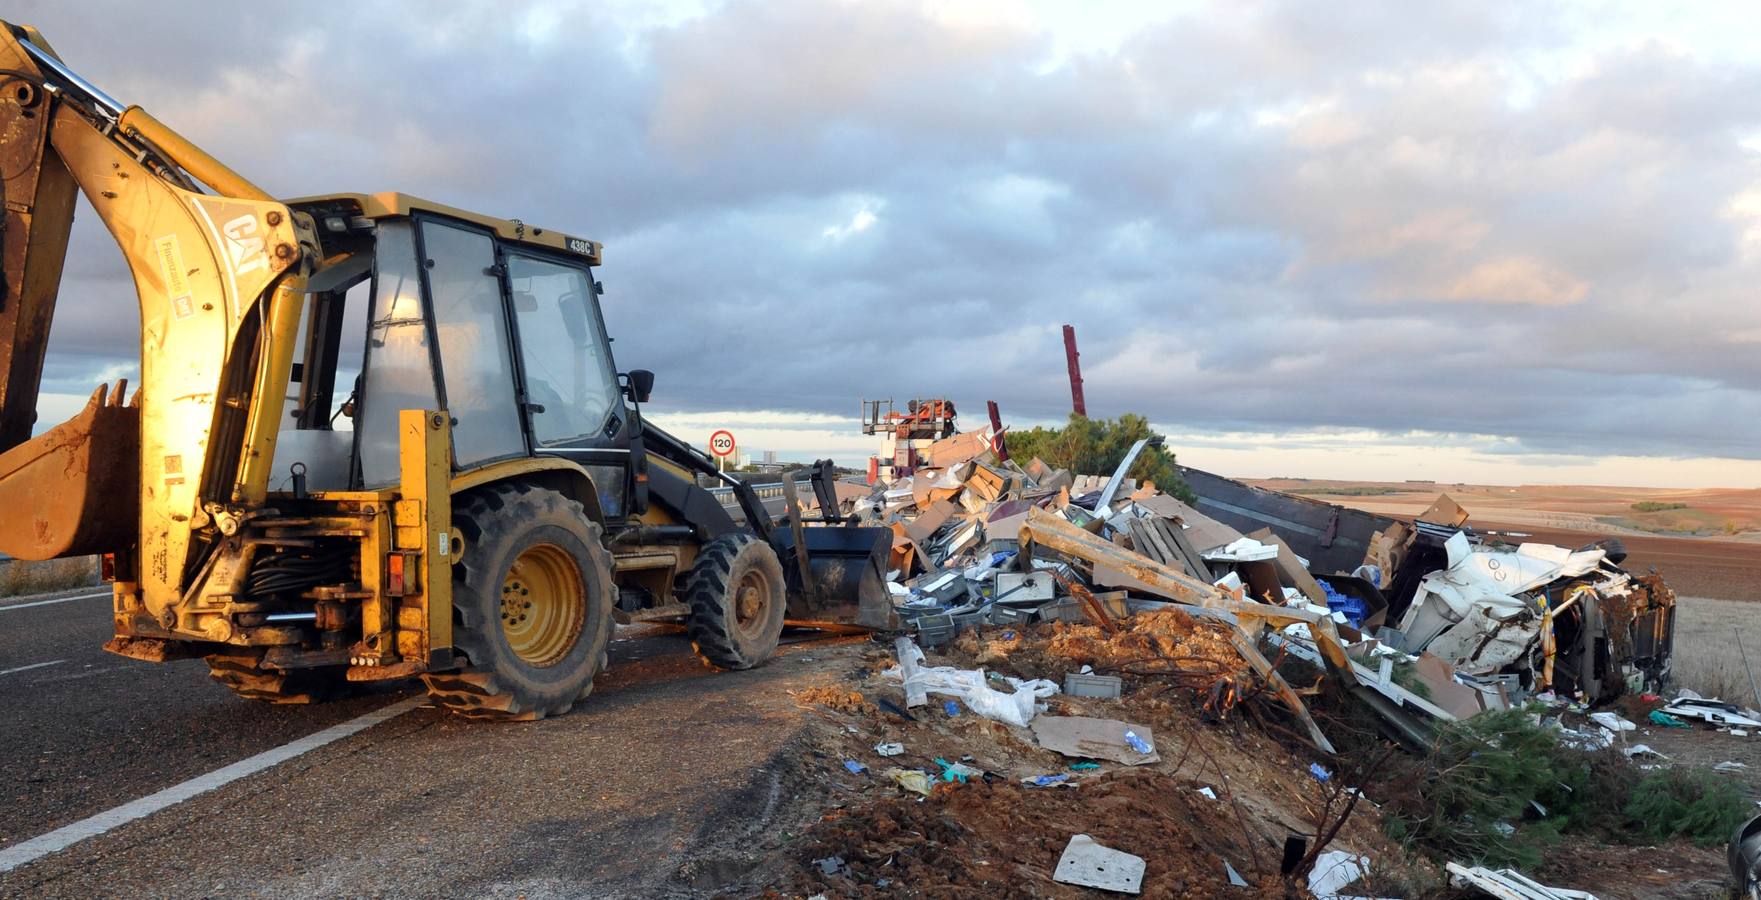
x,y
995,836
840,699
1675,871
1003,839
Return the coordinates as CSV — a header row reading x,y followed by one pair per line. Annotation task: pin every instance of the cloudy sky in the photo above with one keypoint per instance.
x,y
1480,241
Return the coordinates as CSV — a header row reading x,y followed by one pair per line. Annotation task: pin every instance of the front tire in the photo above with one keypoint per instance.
x,y
737,597
532,606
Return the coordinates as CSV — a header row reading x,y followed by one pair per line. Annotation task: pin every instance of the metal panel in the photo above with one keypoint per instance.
x,y
1332,538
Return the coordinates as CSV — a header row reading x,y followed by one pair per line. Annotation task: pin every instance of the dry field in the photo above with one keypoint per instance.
x,y
1725,512
1708,657
19,576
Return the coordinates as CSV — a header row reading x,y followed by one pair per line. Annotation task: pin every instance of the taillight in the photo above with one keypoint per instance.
x,y
394,575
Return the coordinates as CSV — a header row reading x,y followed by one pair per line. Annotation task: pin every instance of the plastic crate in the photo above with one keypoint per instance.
x,y
1012,615
1065,610
963,621
933,631
1106,687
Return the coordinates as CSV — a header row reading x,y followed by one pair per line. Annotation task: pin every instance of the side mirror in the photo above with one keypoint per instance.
x,y
641,384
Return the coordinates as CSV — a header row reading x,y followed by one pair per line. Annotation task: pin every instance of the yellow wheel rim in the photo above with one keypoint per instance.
x,y
751,598
543,605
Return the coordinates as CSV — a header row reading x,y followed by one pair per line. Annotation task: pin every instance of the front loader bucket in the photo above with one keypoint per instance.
x,y
74,490
845,583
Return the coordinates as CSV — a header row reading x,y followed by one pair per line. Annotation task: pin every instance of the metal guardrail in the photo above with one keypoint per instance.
x,y
725,495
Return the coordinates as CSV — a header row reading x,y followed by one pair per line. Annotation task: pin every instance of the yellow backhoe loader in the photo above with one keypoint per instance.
x,y
375,438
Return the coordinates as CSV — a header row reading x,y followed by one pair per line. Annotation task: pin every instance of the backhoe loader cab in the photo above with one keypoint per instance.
x,y
376,437
433,308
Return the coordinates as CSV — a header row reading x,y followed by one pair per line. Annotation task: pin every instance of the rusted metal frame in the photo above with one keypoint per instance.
x,y
1071,360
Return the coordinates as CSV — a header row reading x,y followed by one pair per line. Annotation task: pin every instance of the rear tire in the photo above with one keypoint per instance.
x,y
1613,547
243,674
532,606
737,598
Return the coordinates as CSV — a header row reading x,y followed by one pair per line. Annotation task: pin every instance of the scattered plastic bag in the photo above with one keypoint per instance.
x,y
910,779
969,686
1137,743
892,748
1335,870
854,767
959,772
1659,717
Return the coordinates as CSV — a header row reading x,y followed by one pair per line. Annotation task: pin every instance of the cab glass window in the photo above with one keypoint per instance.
x,y
571,386
399,369
471,329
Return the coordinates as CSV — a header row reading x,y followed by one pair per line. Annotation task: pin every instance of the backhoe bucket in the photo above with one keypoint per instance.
x,y
846,575
74,490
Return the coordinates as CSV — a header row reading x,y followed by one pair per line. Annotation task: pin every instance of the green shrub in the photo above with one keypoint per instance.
x,y
1655,506
1499,788
1478,783
1097,447
1696,804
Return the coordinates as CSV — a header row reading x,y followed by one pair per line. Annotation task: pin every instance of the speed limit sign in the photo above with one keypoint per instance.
x,y
722,443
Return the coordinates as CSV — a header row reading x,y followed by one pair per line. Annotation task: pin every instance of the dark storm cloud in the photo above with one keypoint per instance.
x,y
1443,217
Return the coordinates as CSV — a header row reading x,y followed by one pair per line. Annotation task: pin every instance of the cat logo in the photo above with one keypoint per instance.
x,y
245,245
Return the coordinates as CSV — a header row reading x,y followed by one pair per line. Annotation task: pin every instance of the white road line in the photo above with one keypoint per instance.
x,y
56,600
53,662
66,836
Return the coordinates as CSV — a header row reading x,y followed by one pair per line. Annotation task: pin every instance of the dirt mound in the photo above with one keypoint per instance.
x,y
838,698
1004,839
1225,791
1168,637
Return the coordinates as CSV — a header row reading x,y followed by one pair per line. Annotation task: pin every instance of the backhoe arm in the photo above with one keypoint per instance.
x,y
39,196
220,276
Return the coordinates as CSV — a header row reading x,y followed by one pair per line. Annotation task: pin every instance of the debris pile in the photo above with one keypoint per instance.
x,y
1426,622
1076,656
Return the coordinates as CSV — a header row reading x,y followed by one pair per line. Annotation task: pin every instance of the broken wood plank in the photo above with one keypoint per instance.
x,y
1195,561
1048,530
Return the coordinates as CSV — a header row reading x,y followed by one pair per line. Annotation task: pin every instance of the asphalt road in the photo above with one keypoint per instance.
x,y
666,782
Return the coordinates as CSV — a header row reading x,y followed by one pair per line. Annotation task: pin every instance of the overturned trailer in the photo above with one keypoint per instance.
x,y
1536,617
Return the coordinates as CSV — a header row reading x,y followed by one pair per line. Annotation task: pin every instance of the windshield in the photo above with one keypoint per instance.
x,y
570,382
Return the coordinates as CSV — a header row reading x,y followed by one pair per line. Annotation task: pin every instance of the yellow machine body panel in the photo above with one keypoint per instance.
x,y
202,267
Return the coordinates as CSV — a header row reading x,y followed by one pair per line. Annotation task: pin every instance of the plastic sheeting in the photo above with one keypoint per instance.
x,y
970,686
